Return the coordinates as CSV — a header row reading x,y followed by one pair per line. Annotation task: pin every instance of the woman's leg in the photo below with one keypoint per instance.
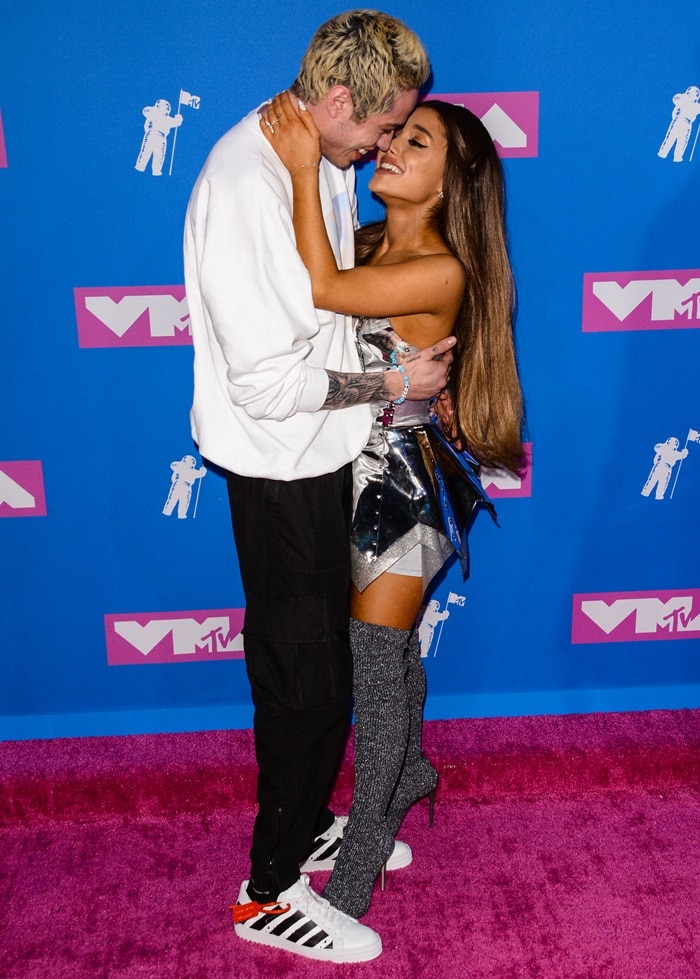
x,y
396,599
391,599
418,776
381,733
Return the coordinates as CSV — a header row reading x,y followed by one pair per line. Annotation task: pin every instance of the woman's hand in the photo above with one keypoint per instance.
x,y
292,134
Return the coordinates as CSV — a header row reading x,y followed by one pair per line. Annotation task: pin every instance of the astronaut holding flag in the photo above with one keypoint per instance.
x,y
667,454
157,128
686,108
185,475
431,618
158,124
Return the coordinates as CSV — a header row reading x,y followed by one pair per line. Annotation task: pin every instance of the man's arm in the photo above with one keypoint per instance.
x,y
345,390
427,372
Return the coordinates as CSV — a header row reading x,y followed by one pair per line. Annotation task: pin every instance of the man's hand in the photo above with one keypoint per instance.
x,y
427,371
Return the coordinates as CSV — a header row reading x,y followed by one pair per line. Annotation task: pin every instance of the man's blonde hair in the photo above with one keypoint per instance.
x,y
376,56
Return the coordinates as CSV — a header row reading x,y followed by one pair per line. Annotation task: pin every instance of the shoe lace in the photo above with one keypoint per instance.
x,y
320,910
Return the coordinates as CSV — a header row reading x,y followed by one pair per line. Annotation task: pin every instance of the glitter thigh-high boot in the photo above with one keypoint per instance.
x,y
381,732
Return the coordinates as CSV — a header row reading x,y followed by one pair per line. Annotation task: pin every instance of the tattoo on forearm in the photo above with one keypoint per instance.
x,y
345,390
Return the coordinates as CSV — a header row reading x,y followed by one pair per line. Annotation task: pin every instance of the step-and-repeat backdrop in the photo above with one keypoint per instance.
x,y
121,599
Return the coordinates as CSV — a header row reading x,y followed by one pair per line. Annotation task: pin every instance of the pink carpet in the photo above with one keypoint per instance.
x,y
563,848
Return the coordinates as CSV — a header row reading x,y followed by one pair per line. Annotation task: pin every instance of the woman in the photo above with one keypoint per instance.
x,y
436,265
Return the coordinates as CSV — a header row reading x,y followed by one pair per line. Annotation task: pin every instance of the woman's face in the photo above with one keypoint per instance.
x,y
412,168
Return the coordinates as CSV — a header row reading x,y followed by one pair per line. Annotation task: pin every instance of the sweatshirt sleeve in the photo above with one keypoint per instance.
x,y
254,294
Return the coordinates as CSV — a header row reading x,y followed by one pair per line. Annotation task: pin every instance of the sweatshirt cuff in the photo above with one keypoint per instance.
x,y
315,390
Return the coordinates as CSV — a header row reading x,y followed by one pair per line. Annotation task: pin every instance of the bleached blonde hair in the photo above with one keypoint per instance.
x,y
376,56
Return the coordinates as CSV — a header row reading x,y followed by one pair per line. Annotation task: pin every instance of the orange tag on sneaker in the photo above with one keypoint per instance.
x,y
244,912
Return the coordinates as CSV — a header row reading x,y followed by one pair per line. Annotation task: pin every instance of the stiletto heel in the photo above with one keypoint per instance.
x,y
383,876
417,781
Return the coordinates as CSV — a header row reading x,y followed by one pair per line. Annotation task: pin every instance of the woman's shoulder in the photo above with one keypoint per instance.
x,y
440,266
427,255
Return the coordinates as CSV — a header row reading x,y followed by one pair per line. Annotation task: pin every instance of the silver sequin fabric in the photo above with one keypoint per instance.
x,y
394,503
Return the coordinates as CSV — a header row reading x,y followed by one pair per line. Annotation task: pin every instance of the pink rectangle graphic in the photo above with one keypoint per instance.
x,y
3,148
503,485
512,118
22,492
665,300
132,316
174,637
636,616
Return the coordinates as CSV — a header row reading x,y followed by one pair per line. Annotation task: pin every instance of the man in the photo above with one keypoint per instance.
x,y
271,375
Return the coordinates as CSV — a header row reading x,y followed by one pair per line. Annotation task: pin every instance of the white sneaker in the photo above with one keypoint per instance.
x,y
325,847
302,922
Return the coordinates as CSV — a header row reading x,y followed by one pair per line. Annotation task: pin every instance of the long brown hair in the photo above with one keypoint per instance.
x,y
485,387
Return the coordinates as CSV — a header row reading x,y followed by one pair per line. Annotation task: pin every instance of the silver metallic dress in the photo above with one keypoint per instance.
x,y
395,508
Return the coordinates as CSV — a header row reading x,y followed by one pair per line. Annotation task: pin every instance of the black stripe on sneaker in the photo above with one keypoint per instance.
x,y
330,851
289,922
296,936
315,939
261,923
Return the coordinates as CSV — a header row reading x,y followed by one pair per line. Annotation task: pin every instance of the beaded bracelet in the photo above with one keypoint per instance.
x,y
406,384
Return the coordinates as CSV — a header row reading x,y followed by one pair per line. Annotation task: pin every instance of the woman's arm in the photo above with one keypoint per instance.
x,y
428,284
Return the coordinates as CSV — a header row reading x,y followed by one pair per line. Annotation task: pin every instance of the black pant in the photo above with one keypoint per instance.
x,y
292,540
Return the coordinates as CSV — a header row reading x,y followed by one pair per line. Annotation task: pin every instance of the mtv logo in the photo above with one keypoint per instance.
x,y
22,489
512,118
174,637
3,150
502,485
636,616
132,316
614,301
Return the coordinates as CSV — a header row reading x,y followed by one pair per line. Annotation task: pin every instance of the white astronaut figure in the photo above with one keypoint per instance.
x,y
686,110
426,627
185,475
158,124
667,455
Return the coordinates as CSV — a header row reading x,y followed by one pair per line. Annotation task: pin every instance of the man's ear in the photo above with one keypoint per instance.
x,y
339,102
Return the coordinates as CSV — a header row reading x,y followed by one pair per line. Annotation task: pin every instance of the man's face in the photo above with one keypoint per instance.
x,y
344,141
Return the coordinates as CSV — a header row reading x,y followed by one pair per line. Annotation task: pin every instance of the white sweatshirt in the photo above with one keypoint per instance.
x,y
260,347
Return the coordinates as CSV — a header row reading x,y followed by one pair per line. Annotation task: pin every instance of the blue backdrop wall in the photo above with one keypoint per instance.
x,y
121,598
